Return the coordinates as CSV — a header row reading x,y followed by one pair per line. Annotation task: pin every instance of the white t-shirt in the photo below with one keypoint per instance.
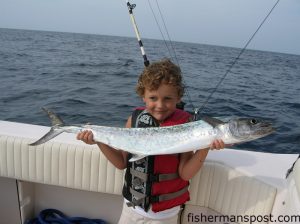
x,y
168,213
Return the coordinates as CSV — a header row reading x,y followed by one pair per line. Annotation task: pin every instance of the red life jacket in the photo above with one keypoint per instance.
x,y
164,188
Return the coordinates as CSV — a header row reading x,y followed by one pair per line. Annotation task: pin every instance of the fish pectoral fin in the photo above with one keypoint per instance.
x,y
212,121
136,157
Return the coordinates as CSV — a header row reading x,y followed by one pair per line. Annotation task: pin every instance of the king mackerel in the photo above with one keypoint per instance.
x,y
190,136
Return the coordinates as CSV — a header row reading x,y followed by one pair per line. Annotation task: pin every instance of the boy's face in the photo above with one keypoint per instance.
x,y
161,103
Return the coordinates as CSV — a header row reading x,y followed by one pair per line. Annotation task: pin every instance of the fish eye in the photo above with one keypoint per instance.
x,y
253,121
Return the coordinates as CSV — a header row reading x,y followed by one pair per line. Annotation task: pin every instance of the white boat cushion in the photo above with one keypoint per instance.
x,y
66,165
217,187
230,192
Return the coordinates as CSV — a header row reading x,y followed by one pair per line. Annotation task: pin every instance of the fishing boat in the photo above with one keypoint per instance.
x,y
233,186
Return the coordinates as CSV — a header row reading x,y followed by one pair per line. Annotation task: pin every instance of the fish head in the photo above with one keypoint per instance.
x,y
247,129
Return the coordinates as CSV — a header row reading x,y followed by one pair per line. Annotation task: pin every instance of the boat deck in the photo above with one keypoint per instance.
x,y
64,172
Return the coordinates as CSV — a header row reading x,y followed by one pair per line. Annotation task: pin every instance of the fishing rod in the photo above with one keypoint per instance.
x,y
130,10
198,110
182,104
146,61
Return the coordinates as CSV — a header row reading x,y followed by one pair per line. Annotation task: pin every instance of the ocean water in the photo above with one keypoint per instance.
x,y
91,78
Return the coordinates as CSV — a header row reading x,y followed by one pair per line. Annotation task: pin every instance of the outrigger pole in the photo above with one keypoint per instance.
x,y
130,10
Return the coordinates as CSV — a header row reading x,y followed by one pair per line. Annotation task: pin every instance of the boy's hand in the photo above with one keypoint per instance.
x,y
217,144
87,137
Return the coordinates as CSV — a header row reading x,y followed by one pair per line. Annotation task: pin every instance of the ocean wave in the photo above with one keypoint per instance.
x,y
91,78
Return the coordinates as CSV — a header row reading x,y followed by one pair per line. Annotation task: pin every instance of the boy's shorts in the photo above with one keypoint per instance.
x,y
128,216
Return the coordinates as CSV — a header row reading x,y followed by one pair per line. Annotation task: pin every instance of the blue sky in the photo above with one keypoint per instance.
x,y
216,22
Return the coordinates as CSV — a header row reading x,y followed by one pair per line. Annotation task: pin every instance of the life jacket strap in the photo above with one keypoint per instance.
x,y
163,197
153,177
169,196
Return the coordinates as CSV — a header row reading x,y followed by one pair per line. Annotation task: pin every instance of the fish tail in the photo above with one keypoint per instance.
x,y
51,134
55,130
55,119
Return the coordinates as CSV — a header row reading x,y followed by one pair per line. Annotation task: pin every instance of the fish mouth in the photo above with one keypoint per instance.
x,y
264,129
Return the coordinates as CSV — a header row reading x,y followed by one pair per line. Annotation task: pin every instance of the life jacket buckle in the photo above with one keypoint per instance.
x,y
130,204
133,203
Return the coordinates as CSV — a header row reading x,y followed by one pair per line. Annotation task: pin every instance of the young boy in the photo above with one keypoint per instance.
x,y
156,186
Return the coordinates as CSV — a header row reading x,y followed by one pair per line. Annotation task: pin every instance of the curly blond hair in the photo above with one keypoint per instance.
x,y
157,73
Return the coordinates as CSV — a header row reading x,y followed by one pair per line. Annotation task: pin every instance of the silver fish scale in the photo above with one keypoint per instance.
x,y
167,140
150,141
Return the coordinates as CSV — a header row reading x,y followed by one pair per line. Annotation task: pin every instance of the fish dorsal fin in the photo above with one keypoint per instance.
x,y
212,121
